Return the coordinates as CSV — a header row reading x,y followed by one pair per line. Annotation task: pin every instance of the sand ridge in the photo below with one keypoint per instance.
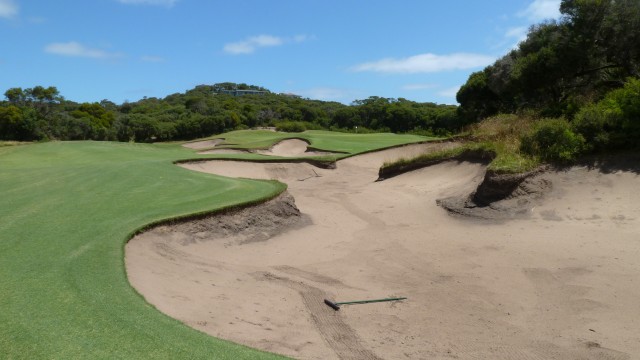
x,y
560,284
292,148
284,148
204,144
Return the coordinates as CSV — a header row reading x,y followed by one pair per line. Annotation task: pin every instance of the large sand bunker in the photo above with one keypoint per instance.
x,y
560,284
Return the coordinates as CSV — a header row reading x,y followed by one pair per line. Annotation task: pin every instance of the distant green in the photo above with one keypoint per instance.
x,y
66,211
346,144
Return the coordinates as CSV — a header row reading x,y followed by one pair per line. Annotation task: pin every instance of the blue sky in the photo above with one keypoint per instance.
x,y
343,50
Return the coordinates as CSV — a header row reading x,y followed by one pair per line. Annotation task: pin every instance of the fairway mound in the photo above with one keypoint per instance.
x,y
292,148
558,284
205,144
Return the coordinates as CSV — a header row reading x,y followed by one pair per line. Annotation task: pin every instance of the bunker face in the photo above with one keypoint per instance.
x,y
292,148
525,289
206,144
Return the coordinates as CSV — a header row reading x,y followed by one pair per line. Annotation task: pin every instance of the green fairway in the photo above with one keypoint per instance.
x,y
346,143
66,211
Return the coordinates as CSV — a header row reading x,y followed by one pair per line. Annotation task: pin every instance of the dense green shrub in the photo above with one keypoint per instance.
x,y
595,123
614,122
553,140
296,126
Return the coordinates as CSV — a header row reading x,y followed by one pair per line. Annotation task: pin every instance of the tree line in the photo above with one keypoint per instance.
x,y
581,70
41,113
562,65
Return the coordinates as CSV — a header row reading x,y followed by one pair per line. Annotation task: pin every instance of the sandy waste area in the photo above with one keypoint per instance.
x,y
561,283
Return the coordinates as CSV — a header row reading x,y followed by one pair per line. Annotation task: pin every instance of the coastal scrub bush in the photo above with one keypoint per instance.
x,y
296,126
613,122
553,140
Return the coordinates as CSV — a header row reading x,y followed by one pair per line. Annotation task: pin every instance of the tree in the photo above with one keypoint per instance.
x,y
12,125
15,95
563,64
476,98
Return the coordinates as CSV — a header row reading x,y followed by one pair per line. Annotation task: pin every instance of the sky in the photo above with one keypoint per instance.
x,y
334,50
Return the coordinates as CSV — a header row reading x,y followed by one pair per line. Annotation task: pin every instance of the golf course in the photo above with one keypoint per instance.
x,y
230,247
552,277
67,210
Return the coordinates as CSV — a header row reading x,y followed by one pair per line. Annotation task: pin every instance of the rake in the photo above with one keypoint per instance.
x,y
336,305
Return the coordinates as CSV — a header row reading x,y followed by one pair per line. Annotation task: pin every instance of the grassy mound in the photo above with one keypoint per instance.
x,y
496,141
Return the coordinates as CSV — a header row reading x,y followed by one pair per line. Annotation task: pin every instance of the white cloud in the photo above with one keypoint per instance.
x,y
540,10
75,49
519,34
426,63
414,87
8,9
251,44
167,3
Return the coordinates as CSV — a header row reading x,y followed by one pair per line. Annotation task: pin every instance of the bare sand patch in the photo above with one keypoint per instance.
x,y
292,148
560,284
205,144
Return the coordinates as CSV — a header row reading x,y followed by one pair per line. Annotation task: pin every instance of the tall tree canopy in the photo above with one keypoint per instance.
x,y
562,65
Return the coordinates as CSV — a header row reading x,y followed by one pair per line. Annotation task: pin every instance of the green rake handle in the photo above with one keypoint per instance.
x,y
336,305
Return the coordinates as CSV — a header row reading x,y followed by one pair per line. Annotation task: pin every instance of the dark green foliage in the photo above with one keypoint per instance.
x,y
614,122
12,124
553,140
478,98
562,65
40,113
296,126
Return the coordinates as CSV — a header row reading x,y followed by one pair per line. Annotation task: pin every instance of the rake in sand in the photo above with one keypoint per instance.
x,y
336,305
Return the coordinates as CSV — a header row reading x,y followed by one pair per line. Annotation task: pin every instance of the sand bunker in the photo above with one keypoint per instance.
x,y
223,151
292,148
561,284
284,148
206,144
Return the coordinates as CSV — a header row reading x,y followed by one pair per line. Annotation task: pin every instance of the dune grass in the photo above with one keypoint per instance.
x,y
67,210
496,139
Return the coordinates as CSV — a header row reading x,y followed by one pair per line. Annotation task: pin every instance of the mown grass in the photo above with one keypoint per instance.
x,y
67,210
345,144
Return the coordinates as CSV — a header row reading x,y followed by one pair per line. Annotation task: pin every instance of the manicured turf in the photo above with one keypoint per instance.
x,y
66,211
346,143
